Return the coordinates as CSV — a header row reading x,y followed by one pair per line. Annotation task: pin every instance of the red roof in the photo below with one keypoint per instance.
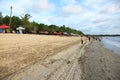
x,y
4,26
57,33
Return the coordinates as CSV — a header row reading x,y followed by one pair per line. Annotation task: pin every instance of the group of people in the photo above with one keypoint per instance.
x,y
92,38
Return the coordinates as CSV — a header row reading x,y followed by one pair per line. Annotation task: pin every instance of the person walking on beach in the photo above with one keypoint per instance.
x,y
89,38
81,41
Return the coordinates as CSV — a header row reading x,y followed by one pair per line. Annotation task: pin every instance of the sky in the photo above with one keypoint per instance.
x,y
88,16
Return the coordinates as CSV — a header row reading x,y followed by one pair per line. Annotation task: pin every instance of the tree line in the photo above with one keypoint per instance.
x,y
35,27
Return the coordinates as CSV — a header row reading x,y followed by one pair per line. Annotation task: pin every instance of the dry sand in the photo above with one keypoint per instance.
x,y
61,66
20,51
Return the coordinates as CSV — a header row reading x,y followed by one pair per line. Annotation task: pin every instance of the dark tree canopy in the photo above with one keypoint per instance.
x,y
34,26
16,22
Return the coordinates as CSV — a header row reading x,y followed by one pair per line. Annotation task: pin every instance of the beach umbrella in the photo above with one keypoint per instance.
x,y
20,28
4,26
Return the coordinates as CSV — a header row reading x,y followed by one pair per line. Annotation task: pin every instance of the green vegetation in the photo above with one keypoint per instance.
x,y
35,27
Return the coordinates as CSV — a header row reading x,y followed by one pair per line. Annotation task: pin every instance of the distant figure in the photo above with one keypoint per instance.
x,y
81,41
99,39
96,39
89,38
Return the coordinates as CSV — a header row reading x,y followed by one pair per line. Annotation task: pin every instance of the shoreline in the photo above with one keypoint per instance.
x,y
112,47
115,52
99,63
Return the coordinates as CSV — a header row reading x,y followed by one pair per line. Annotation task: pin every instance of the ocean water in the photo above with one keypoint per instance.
x,y
112,43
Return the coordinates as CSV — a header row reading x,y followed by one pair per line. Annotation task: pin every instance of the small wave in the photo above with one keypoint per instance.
x,y
111,42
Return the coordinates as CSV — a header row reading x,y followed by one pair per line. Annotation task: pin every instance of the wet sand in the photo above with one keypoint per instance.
x,y
99,63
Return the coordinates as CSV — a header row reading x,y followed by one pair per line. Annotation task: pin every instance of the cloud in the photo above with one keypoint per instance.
x,y
72,9
69,1
19,6
28,6
100,20
102,25
111,8
41,6
94,4
45,5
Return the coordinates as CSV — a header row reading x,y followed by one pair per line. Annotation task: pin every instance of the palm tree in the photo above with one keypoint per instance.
x,y
10,16
25,21
1,17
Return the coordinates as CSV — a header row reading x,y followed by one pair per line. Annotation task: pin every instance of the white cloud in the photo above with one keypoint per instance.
x,y
102,25
19,6
95,4
112,8
72,9
28,6
90,2
45,5
69,1
41,6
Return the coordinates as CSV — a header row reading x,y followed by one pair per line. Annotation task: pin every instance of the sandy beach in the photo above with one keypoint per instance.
x,y
20,51
41,57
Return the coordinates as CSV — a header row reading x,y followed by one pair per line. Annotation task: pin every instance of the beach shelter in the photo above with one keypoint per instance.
x,y
4,26
20,29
